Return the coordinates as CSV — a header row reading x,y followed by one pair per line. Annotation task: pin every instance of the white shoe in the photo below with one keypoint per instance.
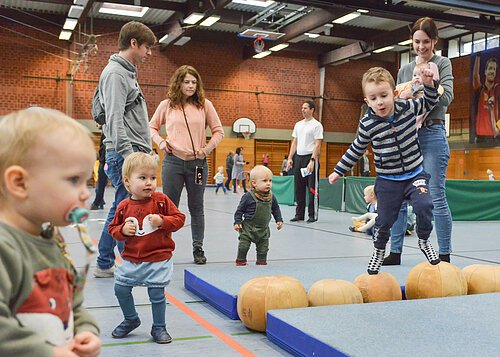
x,y
104,273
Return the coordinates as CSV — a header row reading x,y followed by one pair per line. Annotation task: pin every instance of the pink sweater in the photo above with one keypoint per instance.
x,y
177,141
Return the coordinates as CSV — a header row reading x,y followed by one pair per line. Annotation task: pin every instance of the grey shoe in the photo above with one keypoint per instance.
x,y
104,273
160,335
125,327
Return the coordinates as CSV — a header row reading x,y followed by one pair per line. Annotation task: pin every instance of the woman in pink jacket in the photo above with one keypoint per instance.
x,y
186,113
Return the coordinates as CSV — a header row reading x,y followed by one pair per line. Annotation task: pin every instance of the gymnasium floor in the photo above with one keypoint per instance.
x,y
199,328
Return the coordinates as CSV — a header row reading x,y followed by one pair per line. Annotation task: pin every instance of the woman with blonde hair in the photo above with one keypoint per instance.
x,y
186,113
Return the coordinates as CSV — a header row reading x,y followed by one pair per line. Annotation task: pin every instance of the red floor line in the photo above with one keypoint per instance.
x,y
218,333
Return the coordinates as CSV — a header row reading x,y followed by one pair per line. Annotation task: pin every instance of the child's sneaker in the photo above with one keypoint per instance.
x,y
160,334
376,261
392,259
352,229
241,263
429,252
260,263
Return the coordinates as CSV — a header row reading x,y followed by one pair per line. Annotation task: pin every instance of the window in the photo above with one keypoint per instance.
x,y
479,43
492,41
466,45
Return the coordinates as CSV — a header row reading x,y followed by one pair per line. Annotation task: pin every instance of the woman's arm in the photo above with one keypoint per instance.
x,y
476,79
446,81
215,125
158,119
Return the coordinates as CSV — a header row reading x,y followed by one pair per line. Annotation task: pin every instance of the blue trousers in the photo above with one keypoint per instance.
x,y
156,297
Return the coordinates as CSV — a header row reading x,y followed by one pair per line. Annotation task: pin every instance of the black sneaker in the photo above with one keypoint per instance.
x,y
444,257
160,334
126,327
311,220
376,261
94,207
199,256
392,259
429,252
296,219
352,228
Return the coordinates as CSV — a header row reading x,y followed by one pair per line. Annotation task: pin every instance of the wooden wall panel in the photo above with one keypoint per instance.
x,y
230,144
472,164
276,149
334,152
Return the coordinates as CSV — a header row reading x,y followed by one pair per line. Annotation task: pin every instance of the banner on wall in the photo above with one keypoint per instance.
x,y
484,122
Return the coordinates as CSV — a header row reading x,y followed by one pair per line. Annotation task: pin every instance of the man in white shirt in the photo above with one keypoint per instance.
x,y
307,137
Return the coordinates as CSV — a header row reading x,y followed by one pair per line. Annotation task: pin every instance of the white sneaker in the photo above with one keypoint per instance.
x,y
104,273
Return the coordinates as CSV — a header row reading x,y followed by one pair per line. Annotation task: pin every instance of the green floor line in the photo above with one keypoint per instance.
x,y
243,333
151,341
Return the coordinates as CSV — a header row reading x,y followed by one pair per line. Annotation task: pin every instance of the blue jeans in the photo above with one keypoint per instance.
x,y
106,258
177,173
436,153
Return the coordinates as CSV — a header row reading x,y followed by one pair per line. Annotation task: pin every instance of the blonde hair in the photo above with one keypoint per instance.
x,y
377,75
220,168
369,190
21,133
135,161
258,171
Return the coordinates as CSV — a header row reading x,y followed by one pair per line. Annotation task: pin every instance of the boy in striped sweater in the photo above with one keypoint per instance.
x,y
390,126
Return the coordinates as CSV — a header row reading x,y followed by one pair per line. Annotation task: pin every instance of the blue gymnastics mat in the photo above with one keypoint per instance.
x,y
452,326
219,285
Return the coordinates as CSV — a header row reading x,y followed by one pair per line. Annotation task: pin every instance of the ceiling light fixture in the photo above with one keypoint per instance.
x,y
311,35
75,11
123,10
70,24
193,18
346,18
262,54
65,35
405,42
163,39
383,49
279,47
259,3
182,41
209,21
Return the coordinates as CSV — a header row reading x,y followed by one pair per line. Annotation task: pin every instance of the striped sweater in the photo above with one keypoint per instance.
x,y
395,145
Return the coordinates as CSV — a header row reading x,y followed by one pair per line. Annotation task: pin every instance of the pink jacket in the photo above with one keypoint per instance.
x,y
177,141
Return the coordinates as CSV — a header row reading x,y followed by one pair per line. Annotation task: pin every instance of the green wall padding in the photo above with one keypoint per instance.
x,y
354,186
474,200
283,189
469,200
330,196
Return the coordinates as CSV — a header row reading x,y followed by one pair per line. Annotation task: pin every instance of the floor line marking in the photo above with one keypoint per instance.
x,y
151,341
218,333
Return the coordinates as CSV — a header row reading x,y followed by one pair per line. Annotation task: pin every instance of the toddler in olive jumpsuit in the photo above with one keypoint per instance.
x,y
253,215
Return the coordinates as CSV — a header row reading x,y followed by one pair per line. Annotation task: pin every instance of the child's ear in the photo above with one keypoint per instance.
x,y
396,93
366,101
16,181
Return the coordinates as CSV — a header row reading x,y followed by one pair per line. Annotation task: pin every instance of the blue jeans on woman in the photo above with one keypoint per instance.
x,y
106,258
175,174
436,153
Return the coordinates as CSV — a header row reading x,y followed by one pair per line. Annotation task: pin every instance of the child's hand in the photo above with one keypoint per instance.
x,y
427,77
155,220
334,177
65,350
237,227
128,229
87,344
280,225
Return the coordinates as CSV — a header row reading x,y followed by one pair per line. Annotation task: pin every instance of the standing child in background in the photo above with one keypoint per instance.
x,y
390,126
491,177
253,215
367,219
46,159
219,180
145,221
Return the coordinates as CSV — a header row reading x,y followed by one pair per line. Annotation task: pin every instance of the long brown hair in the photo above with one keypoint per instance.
x,y
427,25
174,94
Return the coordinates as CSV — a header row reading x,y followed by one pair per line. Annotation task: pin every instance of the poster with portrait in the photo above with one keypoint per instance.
x,y
484,124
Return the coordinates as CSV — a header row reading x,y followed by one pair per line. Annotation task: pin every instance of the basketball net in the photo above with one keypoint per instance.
x,y
246,134
258,44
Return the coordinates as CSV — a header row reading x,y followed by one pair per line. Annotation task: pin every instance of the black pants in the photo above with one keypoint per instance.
x,y
228,180
303,183
391,194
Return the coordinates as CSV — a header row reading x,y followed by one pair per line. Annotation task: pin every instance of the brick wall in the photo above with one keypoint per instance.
x,y
459,108
226,76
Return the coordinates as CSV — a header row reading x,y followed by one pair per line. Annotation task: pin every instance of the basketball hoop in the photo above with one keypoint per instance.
x,y
258,44
246,134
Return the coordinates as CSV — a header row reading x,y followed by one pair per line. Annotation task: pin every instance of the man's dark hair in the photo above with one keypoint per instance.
x,y
140,32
